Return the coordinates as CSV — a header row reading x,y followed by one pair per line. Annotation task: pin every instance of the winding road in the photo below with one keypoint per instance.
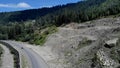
x,y
34,59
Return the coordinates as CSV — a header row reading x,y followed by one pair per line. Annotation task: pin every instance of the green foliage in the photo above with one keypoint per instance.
x,y
25,15
4,36
80,12
39,39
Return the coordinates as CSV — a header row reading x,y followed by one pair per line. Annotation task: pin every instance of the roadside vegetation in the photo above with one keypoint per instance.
x,y
40,38
37,36
27,32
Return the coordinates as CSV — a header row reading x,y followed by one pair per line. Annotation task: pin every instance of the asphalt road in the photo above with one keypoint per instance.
x,y
35,59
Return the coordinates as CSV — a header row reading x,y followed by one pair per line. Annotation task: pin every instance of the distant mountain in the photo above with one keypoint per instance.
x,y
36,13
25,15
18,16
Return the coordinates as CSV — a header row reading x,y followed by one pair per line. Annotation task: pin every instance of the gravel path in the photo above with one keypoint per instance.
x,y
7,58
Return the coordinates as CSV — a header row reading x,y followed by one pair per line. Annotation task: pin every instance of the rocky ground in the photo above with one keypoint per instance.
x,y
93,44
83,45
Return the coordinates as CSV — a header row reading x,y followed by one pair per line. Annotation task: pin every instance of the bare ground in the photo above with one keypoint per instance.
x,y
7,58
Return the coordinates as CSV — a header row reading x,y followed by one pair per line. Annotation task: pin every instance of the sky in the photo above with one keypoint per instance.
x,y
16,5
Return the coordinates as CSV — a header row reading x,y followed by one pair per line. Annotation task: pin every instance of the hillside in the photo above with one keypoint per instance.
x,y
35,25
92,44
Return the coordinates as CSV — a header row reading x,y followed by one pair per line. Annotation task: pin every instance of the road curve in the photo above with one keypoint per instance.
x,y
35,60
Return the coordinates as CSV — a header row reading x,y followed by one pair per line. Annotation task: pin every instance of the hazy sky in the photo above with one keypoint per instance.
x,y
15,5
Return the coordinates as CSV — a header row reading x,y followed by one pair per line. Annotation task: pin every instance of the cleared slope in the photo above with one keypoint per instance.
x,y
83,46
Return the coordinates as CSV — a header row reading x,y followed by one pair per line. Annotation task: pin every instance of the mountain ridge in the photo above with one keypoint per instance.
x,y
37,13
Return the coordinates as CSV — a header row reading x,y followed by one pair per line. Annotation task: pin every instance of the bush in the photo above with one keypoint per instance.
x,y
39,39
3,36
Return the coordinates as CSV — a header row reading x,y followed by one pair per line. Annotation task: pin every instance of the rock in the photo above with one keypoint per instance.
x,y
111,43
109,46
105,60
